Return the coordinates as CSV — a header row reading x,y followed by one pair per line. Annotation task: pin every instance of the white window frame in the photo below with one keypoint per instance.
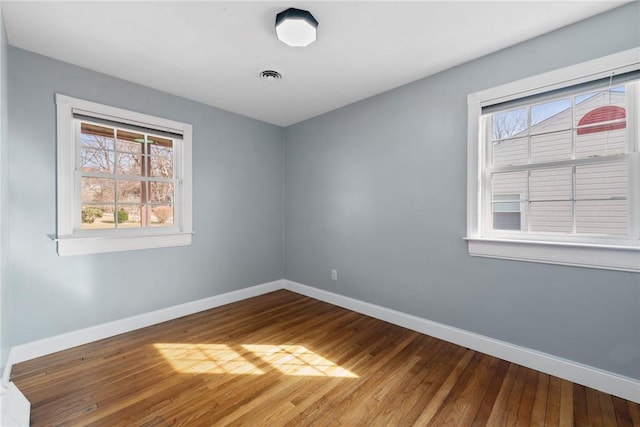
x,y
588,252
73,241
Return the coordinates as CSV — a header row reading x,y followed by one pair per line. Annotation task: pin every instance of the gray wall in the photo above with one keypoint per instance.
x,y
377,190
5,307
237,208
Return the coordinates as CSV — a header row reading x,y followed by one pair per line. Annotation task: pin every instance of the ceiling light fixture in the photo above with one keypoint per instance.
x,y
296,27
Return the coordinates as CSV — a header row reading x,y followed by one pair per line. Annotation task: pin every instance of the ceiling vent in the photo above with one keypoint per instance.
x,y
270,75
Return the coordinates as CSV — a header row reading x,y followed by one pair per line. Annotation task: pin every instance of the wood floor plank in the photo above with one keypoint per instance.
x,y
528,398
515,397
539,408
607,410
567,403
283,359
634,413
492,393
552,416
477,389
499,411
623,418
580,416
594,411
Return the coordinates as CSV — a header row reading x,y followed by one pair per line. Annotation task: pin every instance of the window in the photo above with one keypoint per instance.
x,y
554,169
124,179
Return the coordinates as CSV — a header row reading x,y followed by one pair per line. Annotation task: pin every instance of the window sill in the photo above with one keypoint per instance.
x,y
623,258
93,245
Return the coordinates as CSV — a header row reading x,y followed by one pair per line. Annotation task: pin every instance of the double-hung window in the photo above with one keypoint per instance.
x,y
554,169
124,179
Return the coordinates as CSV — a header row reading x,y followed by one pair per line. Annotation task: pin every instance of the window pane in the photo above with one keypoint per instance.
x,y
129,191
161,147
511,152
601,122
551,116
552,184
602,217
161,192
161,167
598,144
162,216
98,137
509,123
601,181
551,147
98,190
130,142
96,161
556,217
588,102
129,164
129,216
97,217
509,183
507,221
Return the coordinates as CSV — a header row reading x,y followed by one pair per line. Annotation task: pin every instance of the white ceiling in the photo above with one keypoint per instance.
x,y
213,52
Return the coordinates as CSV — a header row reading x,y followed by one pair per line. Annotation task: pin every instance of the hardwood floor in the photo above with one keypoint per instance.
x,y
283,359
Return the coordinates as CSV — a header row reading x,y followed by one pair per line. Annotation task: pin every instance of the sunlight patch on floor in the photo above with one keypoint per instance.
x,y
206,359
293,360
298,360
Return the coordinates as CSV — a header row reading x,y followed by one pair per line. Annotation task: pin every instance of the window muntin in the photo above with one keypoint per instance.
x,y
568,158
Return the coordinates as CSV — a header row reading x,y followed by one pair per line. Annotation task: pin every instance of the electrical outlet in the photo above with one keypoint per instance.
x,y
334,274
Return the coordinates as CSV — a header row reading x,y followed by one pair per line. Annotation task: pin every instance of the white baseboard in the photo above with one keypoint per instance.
x,y
31,350
617,385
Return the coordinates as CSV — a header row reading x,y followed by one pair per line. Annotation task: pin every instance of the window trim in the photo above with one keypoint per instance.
x,y
72,242
595,253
